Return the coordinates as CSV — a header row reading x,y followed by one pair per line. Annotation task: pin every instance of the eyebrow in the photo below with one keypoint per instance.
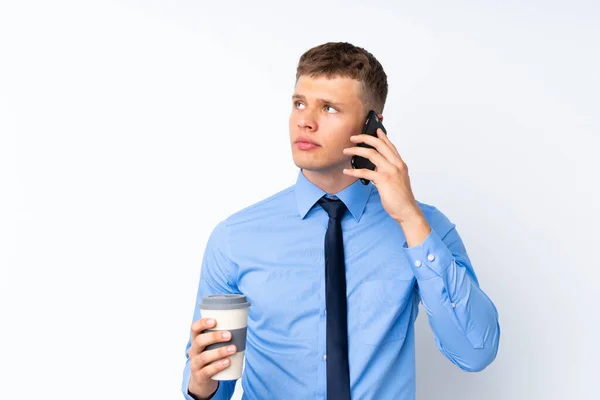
x,y
297,96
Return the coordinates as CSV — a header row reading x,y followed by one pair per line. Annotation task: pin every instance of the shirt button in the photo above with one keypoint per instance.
x,y
453,305
325,357
431,257
417,263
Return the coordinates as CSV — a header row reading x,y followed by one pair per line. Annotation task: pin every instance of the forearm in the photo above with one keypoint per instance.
x,y
462,317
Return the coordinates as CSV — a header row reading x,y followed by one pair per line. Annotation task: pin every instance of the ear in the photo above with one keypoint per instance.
x,y
380,116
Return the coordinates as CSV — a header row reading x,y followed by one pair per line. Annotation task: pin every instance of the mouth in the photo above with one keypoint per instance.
x,y
306,144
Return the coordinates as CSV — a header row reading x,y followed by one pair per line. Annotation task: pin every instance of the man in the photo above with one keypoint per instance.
x,y
335,269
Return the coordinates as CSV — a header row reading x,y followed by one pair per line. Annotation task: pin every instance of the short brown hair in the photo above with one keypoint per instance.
x,y
341,59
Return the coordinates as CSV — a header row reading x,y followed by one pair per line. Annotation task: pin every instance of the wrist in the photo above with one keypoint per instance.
x,y
415,229
411,217
199,393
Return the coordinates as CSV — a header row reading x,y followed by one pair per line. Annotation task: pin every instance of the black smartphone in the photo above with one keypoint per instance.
x,y
372,122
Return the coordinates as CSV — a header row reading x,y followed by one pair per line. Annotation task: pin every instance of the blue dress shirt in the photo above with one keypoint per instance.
x,y
273,252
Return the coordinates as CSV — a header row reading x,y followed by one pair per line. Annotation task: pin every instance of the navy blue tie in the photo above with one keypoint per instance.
x,y
338,370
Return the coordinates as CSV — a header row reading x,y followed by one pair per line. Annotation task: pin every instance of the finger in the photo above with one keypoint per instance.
x,y
381,134
380,161
212,369
363,173
210,356
200,340
398,162
379,144
197,328
201,360
205,339
201,325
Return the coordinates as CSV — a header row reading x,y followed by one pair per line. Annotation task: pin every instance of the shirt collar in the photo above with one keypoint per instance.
x,y
355,196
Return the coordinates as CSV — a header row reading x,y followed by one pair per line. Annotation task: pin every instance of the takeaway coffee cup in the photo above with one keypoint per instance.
x,y
230,311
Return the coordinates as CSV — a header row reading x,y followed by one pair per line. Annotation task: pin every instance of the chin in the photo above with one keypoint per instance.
x,y
316,165
307,165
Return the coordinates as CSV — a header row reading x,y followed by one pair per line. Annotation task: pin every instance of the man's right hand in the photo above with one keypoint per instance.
x,y
205,364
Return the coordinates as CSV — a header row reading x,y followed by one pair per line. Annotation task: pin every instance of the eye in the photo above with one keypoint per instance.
x,y
298,104
331,108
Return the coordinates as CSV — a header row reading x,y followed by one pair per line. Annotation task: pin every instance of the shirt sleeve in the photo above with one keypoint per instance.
x,y
217,276
463,318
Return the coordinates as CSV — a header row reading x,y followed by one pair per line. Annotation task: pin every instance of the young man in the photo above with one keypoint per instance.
x,y
335,269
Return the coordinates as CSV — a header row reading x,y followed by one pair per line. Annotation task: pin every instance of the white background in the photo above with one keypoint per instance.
x,y
128,129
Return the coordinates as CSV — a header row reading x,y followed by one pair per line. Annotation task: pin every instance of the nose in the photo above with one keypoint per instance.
x,y
307,121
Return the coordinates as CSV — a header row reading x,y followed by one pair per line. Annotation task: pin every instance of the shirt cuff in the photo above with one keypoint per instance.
x,y
429,259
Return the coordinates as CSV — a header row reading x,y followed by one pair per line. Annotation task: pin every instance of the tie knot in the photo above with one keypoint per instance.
x,y
335,208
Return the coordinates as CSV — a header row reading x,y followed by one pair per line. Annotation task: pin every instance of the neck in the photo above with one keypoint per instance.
x,y
331,182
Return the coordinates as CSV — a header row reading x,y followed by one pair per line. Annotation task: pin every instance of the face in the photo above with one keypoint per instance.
x,y
325,113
